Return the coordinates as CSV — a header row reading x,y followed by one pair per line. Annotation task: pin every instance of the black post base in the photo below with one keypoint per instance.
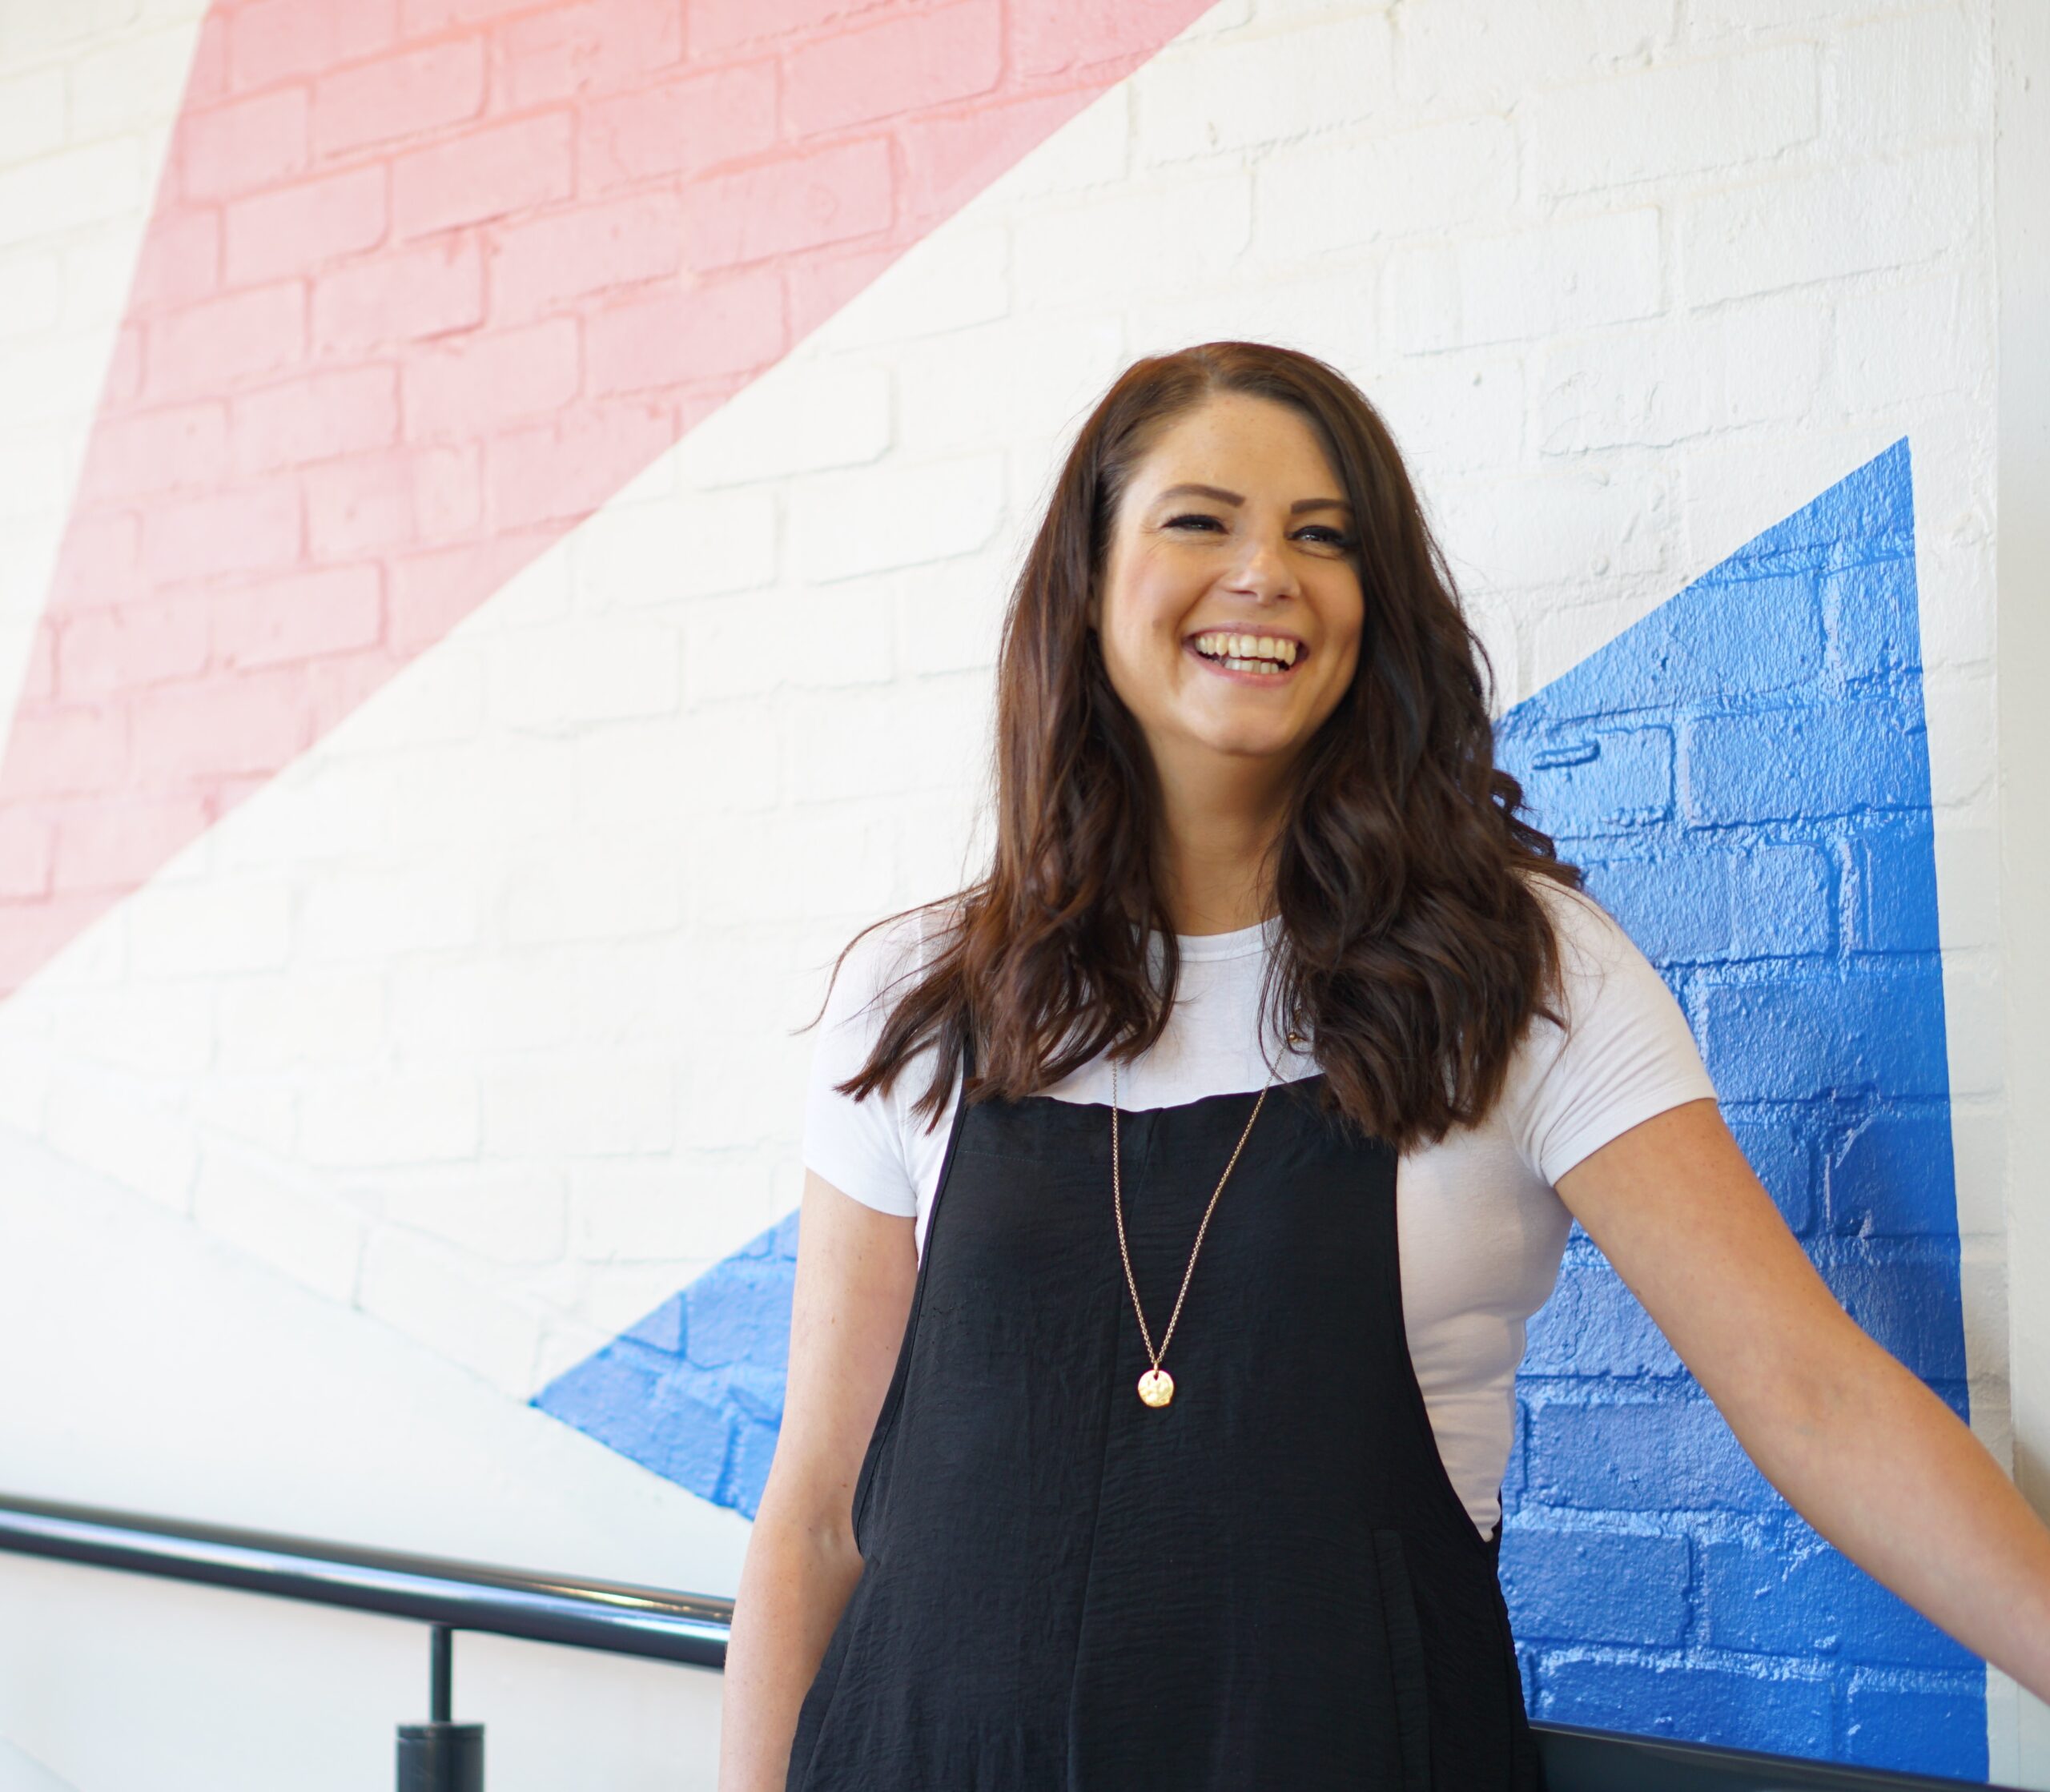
x,y
441,1757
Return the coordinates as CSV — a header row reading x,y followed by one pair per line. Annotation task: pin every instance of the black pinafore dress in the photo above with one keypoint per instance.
x,y
1268,1583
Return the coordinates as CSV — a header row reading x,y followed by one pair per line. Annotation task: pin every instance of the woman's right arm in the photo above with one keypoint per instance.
x,y
856,1268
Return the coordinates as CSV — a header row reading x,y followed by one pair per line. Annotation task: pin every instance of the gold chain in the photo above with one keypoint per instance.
x,y
1156,1387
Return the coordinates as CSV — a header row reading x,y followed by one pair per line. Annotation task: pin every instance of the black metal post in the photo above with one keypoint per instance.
x,y
440,1756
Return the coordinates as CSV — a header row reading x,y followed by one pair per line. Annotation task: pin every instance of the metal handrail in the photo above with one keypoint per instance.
x,y
623,1619
615,1616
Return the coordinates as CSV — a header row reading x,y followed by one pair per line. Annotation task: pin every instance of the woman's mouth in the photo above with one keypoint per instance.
x,y
1267,659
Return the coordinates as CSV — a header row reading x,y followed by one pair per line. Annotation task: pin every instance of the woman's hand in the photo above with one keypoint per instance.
x,y
1873,1460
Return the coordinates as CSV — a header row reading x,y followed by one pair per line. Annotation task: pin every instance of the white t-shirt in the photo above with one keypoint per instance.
x,y
1481,1228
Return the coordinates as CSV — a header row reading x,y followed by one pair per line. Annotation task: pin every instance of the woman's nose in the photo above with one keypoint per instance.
x,y
1263,569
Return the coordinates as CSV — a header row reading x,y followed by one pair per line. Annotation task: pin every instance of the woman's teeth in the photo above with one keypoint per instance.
x,y
1271,654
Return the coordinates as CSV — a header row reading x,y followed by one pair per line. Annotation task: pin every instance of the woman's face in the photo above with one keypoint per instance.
x,y
1234,526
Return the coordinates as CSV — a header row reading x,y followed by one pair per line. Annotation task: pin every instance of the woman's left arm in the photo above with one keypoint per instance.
x,y
1873,1460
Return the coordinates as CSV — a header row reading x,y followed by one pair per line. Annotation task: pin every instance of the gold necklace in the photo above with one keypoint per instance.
x,y
1156,1387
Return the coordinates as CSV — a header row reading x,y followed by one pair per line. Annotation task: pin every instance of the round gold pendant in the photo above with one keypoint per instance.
x,y
1156,1387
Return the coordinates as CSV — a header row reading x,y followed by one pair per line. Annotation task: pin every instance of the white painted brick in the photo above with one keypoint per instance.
x,y
842,524
30,27
696,545
427,1291
1482,55
56,377
937,855
1923,74
33,481
361,917
948,280
1328,197
99,265
135,80
553,678
301,1231
483,794
539,595
948,617
595,1106
1221,20
798,863
317,810
510,1002
635,774
504,1213
1979,1147
566,1342
97,960
1567,525
1465,411
1264,90
1773,234
986,387
191,930
31,289
1897,342
24,1080
1651,386
435,699
628,1212
1957,701
31,116
305,1017
151,1030
354,1121
605,891
617,1295
251,1110
1092,149
103,1124
931,734
1709,21
1974,1015
1310,12
57,193
631,993
805,417
1716,113
1098,253
1325,307
1568,276
838,635
1968,872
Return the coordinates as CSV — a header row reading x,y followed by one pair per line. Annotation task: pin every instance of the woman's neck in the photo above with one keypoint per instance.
x,y
1212,874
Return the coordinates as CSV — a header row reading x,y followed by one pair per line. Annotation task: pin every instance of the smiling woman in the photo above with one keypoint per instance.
x,y
1151,1370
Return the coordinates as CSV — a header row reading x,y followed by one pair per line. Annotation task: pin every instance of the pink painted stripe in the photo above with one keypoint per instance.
x,y
427,282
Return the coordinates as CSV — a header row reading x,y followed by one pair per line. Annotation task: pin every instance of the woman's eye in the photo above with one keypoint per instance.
x,y
1328,537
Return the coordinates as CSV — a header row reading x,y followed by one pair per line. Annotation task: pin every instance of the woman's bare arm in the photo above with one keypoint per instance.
x,y
1858,1446
855,1270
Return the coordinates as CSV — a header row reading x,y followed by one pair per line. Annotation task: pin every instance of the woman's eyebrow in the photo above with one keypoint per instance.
x,y
1222,496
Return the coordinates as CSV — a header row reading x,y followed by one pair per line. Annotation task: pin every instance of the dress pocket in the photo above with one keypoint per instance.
x,y
1405,1661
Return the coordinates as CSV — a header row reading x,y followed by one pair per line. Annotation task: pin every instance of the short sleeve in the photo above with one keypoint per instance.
x,y
1625,1053
858,1145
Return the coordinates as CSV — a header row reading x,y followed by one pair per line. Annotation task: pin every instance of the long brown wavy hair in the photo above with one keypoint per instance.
x,y
1409,941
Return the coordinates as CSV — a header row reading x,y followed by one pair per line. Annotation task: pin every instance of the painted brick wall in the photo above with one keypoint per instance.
x,y
505,507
